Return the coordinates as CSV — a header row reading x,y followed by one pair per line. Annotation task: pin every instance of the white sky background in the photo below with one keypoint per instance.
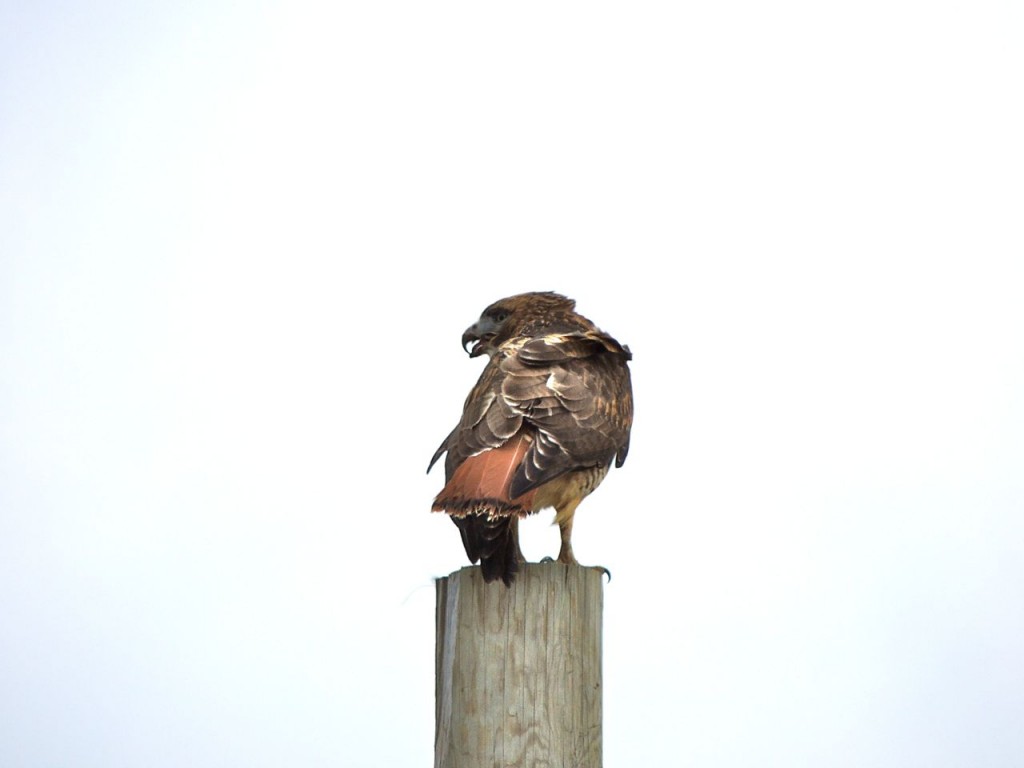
x,y
239,244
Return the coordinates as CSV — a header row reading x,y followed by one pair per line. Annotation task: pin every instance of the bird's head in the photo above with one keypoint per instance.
x,y
519,315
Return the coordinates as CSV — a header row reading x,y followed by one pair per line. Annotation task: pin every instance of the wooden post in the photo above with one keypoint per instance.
x,y
519,669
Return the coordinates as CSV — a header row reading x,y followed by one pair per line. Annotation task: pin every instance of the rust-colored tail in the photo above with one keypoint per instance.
x,y
477,498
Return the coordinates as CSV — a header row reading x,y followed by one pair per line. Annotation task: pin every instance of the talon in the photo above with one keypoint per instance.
x,y
603,570
546,560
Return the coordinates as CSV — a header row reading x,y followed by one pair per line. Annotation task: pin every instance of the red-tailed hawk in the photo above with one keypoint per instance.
x,y
551,412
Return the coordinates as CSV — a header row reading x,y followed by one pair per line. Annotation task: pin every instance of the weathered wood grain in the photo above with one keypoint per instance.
x,y
519,669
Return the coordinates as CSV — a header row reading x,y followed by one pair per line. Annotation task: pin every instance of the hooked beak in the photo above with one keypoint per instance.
x,y
481,332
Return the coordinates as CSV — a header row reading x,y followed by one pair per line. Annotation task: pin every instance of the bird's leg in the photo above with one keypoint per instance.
x,y
563,517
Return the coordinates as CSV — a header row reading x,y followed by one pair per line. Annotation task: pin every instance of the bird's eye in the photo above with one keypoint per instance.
x,y
500,317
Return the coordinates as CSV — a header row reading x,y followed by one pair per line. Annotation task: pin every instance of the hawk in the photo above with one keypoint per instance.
x,y
549,415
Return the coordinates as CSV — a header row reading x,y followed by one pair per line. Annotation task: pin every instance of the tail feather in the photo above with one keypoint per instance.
x,y
477,498
480,485
492,542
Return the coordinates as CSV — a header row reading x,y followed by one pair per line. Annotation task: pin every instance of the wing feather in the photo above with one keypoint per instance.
x,y
575,390
571,389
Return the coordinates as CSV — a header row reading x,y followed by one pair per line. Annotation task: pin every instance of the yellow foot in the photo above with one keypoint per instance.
x,y
572,561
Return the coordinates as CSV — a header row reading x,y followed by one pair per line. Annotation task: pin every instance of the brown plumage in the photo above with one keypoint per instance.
x,y
550,413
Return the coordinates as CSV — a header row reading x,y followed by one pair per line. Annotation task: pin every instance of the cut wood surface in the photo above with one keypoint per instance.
x,y
519,669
